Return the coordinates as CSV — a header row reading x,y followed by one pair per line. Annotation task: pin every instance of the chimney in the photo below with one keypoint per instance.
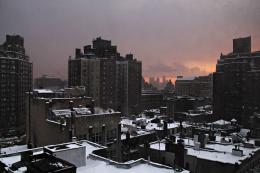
x,y
127,136
77,53
118,150
104,134
242,45
48,107
87,49
165,128
71,104
237,152
90,133
92,106
72,119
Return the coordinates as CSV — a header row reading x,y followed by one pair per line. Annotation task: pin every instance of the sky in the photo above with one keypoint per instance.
x,y
170,37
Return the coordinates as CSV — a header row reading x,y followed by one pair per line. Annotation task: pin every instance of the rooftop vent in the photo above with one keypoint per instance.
x,y
237,152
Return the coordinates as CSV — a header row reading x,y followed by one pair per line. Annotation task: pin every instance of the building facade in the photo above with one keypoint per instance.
x,y
128,84
200,86
63,119
111,80
15,81
236,83
97,75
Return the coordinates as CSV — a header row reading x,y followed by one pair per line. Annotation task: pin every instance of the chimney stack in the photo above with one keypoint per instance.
x,y
90,133
118,150
77,53
165,128
92,106
104,134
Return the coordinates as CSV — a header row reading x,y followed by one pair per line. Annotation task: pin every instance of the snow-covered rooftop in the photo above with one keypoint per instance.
x,y
185,78
97,164
13,149
213,151
43,91
221,122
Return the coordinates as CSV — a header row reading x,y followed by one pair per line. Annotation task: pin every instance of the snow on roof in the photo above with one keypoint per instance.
x,y
65,146
96,165
82,111
233,120
186,78
13,149
215,151
152,126
62,112
93,166
221,153
158,146
43,91
221,122
126,121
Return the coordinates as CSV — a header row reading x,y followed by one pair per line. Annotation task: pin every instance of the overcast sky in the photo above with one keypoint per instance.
x,y
170,37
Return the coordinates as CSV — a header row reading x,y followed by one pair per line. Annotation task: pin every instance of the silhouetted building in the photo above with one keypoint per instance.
x,y
113,81
128,84
242,45
48,82
98,76
200,86
236,82
151,100
169,87
15,80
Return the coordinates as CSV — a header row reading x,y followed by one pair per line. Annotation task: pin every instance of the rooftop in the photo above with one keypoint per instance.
x,y
217,151
96,163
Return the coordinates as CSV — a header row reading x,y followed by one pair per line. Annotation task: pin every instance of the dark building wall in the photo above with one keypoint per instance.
x,y
151,101
107,83
15,81
96,121
128,85
74,72
134,85
46,129
235,86
242,45
195,164
198,87
113,81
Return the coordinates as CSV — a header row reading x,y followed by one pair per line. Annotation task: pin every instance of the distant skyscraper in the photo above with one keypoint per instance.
x,y
15,80
113,81
236,83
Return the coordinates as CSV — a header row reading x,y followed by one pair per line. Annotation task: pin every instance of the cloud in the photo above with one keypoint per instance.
x,y
185,31
174,69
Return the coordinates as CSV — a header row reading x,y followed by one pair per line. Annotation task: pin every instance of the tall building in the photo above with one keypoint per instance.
x,y
98,77
128,84
111,80
15,81
236,83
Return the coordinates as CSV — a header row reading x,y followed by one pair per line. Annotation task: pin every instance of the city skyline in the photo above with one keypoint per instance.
x,y
159,39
